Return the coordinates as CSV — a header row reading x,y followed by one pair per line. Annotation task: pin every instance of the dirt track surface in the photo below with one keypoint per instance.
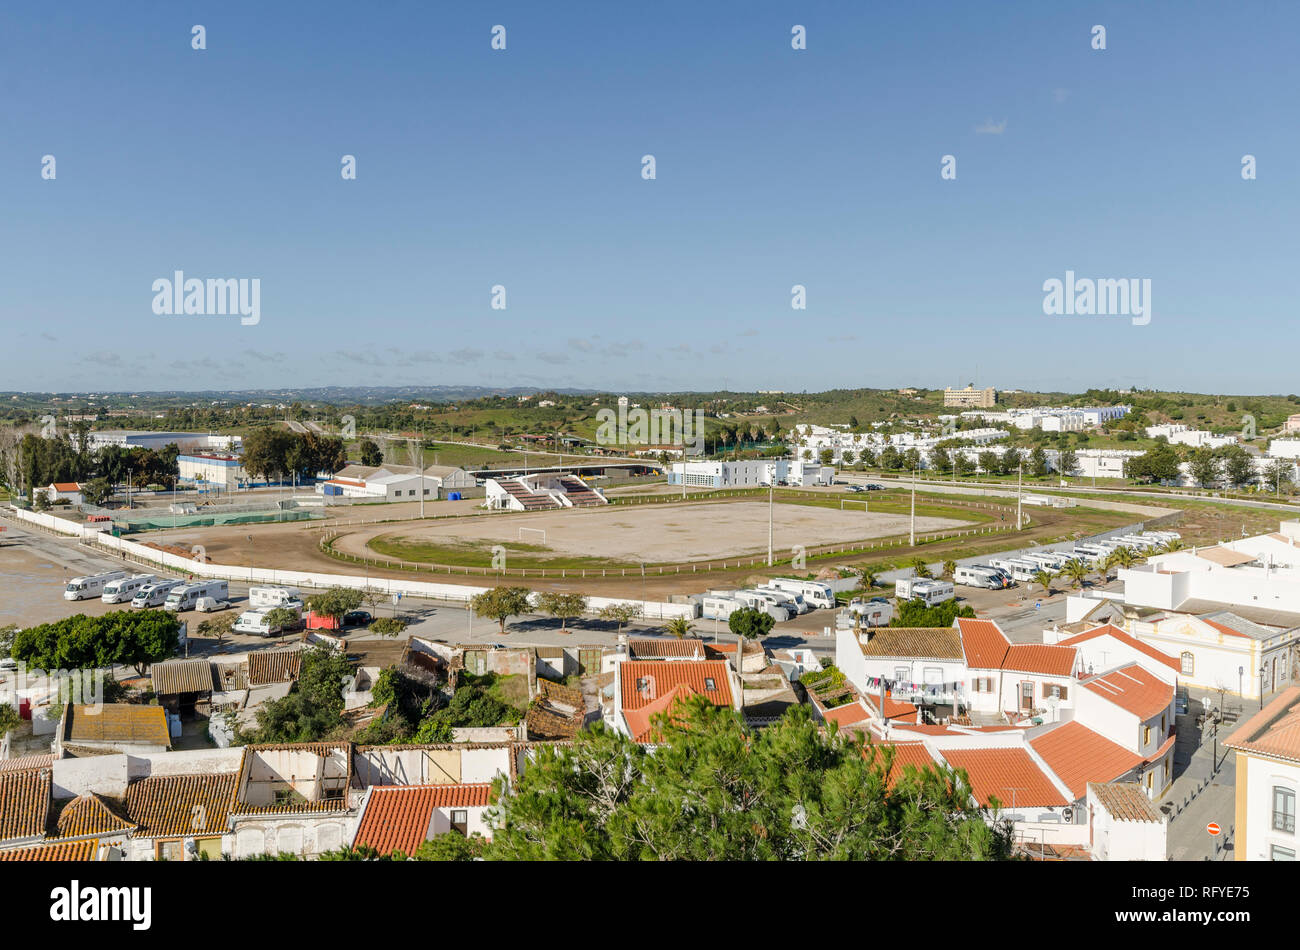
x,y
659,533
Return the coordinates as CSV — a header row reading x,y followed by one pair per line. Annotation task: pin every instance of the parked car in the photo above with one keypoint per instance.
x,y
856,488
206,605
357,618
874,487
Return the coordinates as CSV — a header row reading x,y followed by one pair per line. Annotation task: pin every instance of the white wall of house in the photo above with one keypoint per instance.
x,y
1258,776
1215,656
475,822
1116,840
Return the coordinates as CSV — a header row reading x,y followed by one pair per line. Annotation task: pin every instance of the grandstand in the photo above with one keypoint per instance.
x,y
540,492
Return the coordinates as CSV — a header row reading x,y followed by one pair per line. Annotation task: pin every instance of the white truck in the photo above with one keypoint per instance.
x,y
92,585
154,595
929,590
273,597
815,593
187,597
120,592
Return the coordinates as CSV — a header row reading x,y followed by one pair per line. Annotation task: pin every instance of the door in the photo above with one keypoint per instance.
x,y
1026,696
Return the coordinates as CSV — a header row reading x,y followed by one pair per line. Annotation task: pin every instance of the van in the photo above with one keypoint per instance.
x,y
718,608
154,595
791,600
874,613
273,596
762,603
92,585
186,598
119,592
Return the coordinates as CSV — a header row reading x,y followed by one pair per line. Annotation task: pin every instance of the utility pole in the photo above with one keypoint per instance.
x,y
683,469
911,534
771,489
1019,474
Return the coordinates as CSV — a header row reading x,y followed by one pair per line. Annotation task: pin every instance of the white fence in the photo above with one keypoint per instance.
x,y
654,610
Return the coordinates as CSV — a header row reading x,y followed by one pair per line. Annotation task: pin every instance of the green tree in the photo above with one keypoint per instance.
x,y
81,642
335,602
715,791
370,453
451,846
1204,467
1157,464
1076,571
9,719
750,623
916,613
1067,462
920,568
96,490
988,462
313,711
621,613
562,606
1278,475
679,627
1044,579
501,603
1037,462
949,568
1238,466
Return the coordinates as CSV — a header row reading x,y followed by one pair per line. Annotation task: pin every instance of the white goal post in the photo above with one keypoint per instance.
x,y
853,501
541,531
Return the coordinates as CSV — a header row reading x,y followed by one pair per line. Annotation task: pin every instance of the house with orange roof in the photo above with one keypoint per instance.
x,y
917,666
1133,708
1107,646
1016,680
645,689
403,817
1267,750
70,492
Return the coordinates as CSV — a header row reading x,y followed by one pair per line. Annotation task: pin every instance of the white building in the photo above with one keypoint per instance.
x,y
212,469
1267,747
737,474
1177,434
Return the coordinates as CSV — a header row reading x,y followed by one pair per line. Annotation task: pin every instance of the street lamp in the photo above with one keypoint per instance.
x,y
1261,687
1241,689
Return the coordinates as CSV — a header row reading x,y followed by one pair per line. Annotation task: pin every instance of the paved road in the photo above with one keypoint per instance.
x,y
1201,794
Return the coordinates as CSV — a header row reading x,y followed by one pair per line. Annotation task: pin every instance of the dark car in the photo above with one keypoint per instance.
x,y
875,487
357,618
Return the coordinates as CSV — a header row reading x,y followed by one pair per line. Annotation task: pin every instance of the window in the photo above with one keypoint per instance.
x,y
1051,690
209,848
460,820
1189,663
901,673
173,850
1281,854
1146,735
1163,725
1283,809
709,684
1150,780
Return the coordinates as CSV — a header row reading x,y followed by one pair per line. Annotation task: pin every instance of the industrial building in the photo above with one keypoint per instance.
x,y
395,482
212,470
192,441
750,473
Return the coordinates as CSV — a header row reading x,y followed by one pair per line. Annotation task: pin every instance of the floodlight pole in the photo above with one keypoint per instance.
x,y
1019,472
911,535
771,489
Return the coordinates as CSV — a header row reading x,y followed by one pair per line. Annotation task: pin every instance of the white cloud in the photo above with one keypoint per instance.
x,y
989,127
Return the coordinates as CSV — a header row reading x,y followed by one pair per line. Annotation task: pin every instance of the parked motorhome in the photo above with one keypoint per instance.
x,y
977,575
272,597
155,594
119,592
760,602
928,590
92,585
185,598
255,622
874,613
792,600
718,608
815,593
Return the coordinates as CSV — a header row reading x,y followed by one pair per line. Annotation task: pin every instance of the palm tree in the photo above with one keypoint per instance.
x,y
868,580
1045,577
1170,546
679,627
949,568
920,568
1075,570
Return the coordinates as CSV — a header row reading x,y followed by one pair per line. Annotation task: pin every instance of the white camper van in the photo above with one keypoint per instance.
x,y
714,607
874,613
815,593
978,575
119,592
273,597
928,590
254,621
761,602
155,594
92,585
185,598
792,600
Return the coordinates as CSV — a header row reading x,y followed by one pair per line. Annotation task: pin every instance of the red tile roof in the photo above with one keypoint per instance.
x,y
83,850
67,486
1110,630
24,762
1134,690
1126,802
89,814
167,805
24,803
397,817
905,754
659,678
1274,730
846,714
1009,775
1038,658
984,643
1078,756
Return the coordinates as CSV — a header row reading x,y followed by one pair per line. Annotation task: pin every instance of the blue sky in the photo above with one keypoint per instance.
x,y
775,167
